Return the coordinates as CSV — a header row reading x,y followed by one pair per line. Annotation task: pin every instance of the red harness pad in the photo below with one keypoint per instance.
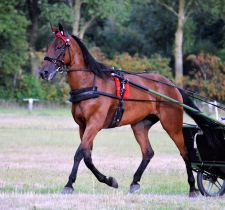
x,y
118,88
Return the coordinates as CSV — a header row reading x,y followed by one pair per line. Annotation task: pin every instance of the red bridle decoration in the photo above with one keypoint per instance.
x,y
60,36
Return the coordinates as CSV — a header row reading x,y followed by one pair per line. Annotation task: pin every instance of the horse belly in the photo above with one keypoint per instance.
x,y
137,111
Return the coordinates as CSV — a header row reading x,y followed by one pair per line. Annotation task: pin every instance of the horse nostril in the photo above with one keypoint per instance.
x,y
41,75
46,72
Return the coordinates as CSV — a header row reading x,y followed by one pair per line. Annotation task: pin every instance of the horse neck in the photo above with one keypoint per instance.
x,y
78,79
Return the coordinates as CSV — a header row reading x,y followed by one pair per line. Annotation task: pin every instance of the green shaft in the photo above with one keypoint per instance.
x,y
172,100
185,106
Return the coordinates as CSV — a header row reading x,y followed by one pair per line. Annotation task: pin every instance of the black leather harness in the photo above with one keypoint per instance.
x,y
92,92
120,109
83,94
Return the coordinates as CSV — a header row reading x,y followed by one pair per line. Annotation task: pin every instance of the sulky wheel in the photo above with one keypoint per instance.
x,y
210,185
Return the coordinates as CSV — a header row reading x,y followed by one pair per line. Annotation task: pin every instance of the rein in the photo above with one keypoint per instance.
x,y
190,93
65,70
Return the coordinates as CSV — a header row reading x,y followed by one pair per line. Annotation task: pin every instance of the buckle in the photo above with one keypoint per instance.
x,y
60,70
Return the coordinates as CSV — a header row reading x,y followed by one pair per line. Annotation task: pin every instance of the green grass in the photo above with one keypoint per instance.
x,y
36,156
38,110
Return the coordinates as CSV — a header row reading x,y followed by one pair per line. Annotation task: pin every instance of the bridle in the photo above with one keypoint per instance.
x,y
60,62
57,61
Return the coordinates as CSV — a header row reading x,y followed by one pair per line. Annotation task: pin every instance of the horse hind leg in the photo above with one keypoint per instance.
x,y
179,139
140,131
174,129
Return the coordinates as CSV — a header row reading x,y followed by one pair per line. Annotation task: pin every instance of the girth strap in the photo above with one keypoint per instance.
x,y
83,94
120,109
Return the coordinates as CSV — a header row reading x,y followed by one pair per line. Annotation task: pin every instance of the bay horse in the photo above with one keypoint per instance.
x,y
93,113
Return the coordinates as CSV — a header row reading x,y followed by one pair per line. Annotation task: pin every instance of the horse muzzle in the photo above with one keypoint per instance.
x,y
47,75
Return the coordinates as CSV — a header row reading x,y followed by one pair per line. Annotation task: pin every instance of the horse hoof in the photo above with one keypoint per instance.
x,y
113,183
134,188
194,194
67,190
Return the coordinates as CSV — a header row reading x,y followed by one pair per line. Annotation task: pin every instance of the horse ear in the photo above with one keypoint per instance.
x,y
61,29
54,29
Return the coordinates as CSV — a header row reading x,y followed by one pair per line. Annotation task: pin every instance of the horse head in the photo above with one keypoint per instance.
x,y
58,54
67,53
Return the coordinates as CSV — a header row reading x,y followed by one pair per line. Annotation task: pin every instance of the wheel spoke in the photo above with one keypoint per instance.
x,y
210,185
217,183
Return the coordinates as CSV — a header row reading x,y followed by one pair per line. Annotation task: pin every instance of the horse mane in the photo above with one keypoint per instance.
x,y
96,67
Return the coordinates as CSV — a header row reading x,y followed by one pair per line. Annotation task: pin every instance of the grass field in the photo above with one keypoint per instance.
x,y
36,156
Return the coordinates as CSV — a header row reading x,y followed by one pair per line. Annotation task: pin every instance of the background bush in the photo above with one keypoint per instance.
x,y
207,76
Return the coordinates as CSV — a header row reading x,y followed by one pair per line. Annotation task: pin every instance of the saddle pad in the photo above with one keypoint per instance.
x,y
118,88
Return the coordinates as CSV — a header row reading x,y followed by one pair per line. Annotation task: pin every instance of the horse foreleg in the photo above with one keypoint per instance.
x,y
68,189
101,178
141,134
84,151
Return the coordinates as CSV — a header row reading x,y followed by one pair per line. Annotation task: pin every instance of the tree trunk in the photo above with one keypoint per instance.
x,y
35,62
34,13
85,27
76,10
179,43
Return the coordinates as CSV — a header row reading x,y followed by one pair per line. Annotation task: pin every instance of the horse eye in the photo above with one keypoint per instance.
x,y
58,47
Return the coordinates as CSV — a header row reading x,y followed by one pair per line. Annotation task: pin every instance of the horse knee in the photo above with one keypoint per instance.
x,y
79,154
149,155
87,158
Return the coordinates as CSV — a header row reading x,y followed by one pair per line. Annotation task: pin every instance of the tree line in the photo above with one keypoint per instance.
x,y
182,39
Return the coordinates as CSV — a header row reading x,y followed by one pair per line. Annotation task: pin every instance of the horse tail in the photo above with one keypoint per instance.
x,y
200,120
